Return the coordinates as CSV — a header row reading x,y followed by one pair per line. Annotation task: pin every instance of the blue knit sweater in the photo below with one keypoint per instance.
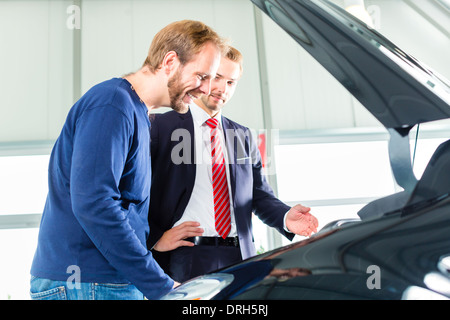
x,y
96,211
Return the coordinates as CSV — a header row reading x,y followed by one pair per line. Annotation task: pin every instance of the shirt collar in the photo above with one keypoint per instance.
x,y
200,116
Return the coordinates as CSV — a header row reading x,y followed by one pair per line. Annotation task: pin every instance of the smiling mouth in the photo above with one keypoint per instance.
x,y
188,98
218,98
190,95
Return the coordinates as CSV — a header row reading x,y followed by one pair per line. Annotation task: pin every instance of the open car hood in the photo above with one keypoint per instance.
x,y
395,87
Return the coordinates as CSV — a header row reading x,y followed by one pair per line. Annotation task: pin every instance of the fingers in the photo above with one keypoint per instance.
x,y
185,230
300,221
302,208
310,231
174,238
306,232
187,224
314,222
310,218
183,243
191,233
188,229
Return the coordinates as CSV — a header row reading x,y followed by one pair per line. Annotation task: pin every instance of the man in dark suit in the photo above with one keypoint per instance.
x,y
200,208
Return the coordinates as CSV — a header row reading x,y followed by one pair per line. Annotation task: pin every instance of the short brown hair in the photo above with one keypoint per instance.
x,y
185,37
236,56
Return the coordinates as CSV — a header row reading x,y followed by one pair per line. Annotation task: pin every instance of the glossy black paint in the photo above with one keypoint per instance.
x,y
339,263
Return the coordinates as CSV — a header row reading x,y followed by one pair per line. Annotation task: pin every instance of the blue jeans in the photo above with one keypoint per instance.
x,y
45,289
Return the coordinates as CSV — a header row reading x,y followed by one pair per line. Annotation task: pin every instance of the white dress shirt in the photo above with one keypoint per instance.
x,y
200,207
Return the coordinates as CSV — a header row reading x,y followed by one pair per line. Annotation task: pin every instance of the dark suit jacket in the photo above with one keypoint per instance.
x,y
172,183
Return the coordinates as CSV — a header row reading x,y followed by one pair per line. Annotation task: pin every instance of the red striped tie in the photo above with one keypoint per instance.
x,y
220,184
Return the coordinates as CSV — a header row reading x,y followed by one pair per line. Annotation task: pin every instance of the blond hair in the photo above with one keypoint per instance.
x,y
236,56
185,37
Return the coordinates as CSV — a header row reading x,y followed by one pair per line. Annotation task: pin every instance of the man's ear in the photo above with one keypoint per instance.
x,y
170,62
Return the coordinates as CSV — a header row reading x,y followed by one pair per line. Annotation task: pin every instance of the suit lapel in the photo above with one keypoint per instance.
x,y
231,150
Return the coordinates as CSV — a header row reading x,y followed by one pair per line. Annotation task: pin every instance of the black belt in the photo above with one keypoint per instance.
x,y
214,241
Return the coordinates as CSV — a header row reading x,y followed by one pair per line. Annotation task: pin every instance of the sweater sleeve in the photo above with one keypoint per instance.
x,y
101,143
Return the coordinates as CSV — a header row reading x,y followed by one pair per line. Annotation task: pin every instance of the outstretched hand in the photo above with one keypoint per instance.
x,y
300,221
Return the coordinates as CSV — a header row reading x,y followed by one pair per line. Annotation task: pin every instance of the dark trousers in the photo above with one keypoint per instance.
x,y
189,262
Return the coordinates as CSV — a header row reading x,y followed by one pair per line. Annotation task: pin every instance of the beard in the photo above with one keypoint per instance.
x,y
210,105
176,93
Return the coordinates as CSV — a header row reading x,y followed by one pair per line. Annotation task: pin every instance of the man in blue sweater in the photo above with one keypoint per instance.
x,y
92,238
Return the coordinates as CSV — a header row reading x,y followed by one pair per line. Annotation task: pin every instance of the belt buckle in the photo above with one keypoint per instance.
x,y
236,241
197,240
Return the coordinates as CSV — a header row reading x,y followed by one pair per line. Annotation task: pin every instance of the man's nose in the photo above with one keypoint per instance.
x,y
219,86
222,86
205,87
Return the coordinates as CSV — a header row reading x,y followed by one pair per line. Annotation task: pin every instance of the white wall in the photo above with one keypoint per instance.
x,y
35,69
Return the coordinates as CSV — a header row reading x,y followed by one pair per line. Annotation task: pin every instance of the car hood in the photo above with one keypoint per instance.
x,y
395,87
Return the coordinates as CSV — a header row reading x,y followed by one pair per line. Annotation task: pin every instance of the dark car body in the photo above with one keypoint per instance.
x,y
400,249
